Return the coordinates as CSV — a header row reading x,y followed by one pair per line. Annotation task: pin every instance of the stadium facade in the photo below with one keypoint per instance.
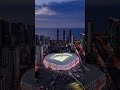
x,y
61,61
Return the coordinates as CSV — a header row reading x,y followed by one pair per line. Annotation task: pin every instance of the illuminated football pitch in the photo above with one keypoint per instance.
x,y
61,57
61,61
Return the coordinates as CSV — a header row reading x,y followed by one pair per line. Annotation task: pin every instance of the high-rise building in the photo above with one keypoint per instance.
x,y
5,33
11,59
42,52
48,41
37,55
14,34
21,30
43,40
114,33
16,51
57,35
70,34
72,41
82,40
2,82
89,37
37,41
0,33
30,35
63,35
44,44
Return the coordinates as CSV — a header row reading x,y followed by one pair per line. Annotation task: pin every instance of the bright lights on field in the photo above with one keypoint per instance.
x,y
61,57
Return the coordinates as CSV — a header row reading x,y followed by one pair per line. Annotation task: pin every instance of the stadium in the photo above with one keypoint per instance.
x,y
61,61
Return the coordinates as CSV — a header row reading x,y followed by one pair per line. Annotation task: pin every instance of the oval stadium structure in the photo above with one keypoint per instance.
x,y
61,61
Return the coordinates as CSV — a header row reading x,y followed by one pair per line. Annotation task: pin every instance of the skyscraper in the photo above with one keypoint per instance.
x,y
30,35
5,33
2,82
0,33
72,41
14,34
57,35
89,37
114,33
11,58
21,30
70,34
82,40
37,41
15,52
63,34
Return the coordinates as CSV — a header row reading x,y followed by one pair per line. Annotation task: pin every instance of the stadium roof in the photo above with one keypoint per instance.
x,y
61,58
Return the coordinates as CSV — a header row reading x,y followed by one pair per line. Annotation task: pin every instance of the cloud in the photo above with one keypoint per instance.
x,y
39,2
37,7
74,6
68,7
41,19
44,11
61,14
57,23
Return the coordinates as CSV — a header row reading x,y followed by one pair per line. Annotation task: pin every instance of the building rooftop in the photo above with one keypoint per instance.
x,y
61,58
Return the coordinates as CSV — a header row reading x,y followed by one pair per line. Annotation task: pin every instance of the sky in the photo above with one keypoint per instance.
x,y
100,11
102,2
18,11
59,13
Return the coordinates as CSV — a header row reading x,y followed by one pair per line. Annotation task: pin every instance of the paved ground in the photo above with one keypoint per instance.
x,y
61,80
92,73
115,75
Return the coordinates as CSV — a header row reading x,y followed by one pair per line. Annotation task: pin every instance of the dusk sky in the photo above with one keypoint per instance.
x,y
18,11
59,13
100,10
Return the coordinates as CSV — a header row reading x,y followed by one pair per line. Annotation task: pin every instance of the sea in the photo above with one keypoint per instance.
x,y
52,32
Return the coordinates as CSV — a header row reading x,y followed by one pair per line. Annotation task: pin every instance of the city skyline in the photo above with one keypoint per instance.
x,y
52,32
